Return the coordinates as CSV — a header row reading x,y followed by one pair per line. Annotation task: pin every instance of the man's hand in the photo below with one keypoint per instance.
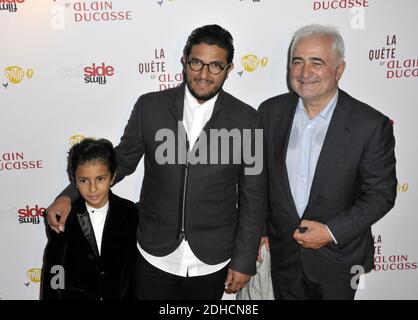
x,y
61,207
263,241
235,281
315,237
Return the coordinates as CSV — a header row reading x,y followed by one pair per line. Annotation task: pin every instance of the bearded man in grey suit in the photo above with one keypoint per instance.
x,y
199,221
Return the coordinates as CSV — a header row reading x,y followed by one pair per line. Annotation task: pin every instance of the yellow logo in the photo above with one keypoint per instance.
x,y
34,274
76,139
251,62
402,187
16,74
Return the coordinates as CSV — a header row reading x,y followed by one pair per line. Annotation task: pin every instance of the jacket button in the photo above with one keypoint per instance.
x,y
103,274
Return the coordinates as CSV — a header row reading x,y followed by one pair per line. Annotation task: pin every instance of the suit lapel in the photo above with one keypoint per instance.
x,y
332,143
216,108
286,122
282,124
111,223
176,108
177,102
87,229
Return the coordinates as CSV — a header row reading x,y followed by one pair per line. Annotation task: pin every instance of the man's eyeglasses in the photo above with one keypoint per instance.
x,y
213,67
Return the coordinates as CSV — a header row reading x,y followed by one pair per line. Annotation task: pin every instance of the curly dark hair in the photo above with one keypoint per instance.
x,y
91,150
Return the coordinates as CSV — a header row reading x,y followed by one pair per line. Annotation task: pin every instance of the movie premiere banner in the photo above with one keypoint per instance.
x,y
71,69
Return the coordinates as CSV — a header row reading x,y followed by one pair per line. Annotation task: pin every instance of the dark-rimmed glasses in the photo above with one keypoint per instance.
x,y
213,67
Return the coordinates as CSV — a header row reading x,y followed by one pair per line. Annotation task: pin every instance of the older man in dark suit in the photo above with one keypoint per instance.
x,y
331,168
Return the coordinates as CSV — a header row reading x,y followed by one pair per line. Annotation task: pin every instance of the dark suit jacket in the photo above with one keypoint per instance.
x,y
353,187
218,208
88,275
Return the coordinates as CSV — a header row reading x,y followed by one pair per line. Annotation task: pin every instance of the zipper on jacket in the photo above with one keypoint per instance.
x,y
183,214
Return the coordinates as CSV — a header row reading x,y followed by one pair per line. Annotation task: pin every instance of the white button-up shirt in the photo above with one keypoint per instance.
x,y
305,144
98,219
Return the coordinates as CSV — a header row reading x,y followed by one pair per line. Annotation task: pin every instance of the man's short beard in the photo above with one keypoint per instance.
x,y
207,97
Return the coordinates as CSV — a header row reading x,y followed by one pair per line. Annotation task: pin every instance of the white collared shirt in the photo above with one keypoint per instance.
x,y
305,143
196,115
98,219
182,261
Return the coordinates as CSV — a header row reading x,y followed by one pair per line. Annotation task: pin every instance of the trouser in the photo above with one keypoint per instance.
x,y
302,288
155,284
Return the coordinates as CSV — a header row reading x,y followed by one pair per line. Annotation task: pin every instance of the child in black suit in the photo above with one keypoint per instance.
x,y
94,258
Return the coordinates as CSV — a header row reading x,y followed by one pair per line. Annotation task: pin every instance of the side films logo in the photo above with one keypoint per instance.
x,y
395,68
251,62
33,275
157,70
11,161
98,74
31,215
16,75
97,11
392,262
10,5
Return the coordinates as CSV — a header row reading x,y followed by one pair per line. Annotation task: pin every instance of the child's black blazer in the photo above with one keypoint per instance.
x,y
88,275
